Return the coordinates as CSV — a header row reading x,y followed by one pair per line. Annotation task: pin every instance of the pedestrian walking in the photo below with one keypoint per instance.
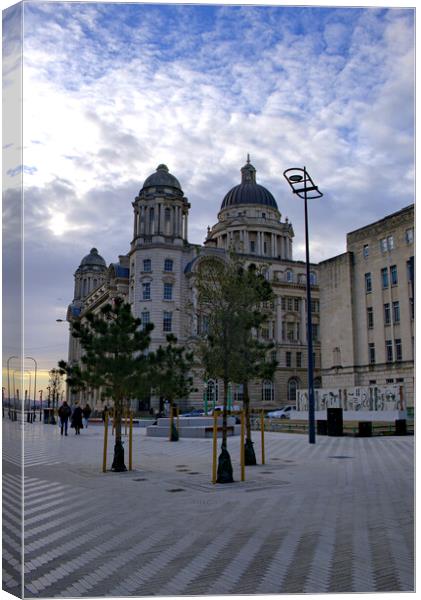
x,y
86,414
77,424
64,413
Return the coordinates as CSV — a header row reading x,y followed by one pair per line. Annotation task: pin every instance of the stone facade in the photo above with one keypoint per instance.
x,y
157,277
367,307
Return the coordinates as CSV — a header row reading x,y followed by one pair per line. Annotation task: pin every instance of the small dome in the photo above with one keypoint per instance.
x,y
93,259
162,178
248,191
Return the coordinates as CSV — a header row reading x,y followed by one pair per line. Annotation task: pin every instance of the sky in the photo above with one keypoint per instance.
x,y
111,90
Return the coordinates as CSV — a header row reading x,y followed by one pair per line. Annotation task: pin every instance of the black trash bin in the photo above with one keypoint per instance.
x,y
335,424
400,427
321,427
49,416
365,428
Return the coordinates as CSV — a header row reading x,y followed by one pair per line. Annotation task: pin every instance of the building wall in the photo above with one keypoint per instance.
x,y
353,295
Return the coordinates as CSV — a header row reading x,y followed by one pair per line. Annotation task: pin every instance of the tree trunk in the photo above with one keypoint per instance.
x,y
249,455
118,462
224,461
174,432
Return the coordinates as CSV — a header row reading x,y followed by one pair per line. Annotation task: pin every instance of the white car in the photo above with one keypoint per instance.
x,y
282,413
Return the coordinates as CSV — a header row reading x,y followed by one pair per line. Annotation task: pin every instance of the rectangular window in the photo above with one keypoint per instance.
x,y
390,242
273,356
394,275
383,245
288,359
366,250
315,331
265,248
371,353
289,303
147,265
386,313
370,317
298,359
396,312
385,278
283,303
314,306
252,246
367,283
167,323
372,382
167,291
296,304
145,318
265,333
389,351
290,332
409,236
398,349
146,291
168,265
389,380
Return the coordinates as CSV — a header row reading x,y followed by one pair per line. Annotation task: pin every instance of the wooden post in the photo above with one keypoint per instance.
x,y
242,448
215,444
104,457
131,442
262,433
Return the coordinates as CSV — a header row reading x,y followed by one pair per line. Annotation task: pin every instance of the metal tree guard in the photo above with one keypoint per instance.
x,y
302,184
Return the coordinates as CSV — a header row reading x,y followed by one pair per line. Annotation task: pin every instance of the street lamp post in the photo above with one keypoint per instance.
x,y
302,185
35,380
8,379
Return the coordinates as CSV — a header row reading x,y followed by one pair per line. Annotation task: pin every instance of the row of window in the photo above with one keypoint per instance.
x,y
388,243
389,351
291,331
389,313
267,390
167,293
168,265
166,320
298,359
384,274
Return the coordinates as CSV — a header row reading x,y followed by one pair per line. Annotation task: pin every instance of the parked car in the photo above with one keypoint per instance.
x,y
195,412
282,413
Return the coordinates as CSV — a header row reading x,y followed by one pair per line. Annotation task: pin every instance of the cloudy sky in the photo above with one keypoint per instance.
x,y
113,90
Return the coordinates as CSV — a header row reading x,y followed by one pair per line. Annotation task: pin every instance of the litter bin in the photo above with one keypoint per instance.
x,y
335,425
400,427
321,427
49,416
365,428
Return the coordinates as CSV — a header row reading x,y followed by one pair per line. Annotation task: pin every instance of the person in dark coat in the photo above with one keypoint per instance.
x,y
86,411
77,419
64,413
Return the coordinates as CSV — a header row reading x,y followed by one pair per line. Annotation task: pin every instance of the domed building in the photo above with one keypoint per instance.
x,y
156,277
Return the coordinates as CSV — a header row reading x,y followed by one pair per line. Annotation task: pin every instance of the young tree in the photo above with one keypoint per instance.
x,y
55,385
114,359
230,297
171,365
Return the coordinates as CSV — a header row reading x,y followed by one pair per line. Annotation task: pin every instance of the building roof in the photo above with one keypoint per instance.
x,y
248,191
93,259
162,178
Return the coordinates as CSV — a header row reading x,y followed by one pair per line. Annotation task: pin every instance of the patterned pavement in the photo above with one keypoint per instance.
x,y
336,516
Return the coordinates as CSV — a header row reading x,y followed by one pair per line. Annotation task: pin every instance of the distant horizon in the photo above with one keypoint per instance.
x,y
113,90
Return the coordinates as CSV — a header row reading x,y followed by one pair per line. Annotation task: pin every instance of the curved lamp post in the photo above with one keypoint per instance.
x,y
302,184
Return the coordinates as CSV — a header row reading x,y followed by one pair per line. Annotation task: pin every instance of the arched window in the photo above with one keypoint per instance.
x,y
292,389
211,392
317,383
267,390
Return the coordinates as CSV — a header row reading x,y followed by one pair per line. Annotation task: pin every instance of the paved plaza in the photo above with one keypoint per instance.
x,y
336,516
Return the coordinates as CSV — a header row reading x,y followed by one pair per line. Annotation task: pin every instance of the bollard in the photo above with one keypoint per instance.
x,y
242,449
215,444
104,458
171,418
262,433
131,442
